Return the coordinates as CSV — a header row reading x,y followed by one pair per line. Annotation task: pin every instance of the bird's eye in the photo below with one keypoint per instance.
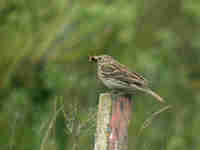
x,y
100,58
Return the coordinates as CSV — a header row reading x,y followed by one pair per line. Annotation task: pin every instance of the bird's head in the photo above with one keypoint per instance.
x,y
100,59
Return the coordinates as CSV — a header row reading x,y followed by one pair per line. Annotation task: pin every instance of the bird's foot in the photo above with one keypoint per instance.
x,y
116,93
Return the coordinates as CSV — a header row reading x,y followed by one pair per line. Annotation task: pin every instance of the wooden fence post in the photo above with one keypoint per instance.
x,y
103,121
113,117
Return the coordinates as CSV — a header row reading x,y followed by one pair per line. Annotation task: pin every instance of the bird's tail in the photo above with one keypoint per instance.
x,y
160,99
149,91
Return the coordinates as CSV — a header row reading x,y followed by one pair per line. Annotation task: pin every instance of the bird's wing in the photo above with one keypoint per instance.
x,y
120,72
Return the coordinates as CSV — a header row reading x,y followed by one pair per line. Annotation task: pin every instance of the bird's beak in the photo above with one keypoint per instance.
x,y
93,58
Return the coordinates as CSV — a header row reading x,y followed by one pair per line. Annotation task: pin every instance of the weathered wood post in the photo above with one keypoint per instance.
x,y
113,117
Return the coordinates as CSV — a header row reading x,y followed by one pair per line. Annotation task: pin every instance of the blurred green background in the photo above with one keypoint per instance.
x,y
48,89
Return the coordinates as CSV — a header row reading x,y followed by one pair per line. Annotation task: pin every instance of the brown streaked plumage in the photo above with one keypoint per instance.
x,y
118,77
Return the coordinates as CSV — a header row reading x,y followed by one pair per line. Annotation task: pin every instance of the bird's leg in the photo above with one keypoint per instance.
x,y
117,93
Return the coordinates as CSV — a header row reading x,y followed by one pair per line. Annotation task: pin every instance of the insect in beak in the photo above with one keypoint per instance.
x,y
93,58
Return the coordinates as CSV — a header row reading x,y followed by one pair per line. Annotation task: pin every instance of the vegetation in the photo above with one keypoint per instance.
x,y
44,70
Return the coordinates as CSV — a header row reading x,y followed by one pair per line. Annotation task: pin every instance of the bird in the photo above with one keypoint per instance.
x,y
118,77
